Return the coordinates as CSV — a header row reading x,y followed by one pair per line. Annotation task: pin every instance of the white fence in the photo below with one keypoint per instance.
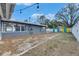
x,y
52,30
75,30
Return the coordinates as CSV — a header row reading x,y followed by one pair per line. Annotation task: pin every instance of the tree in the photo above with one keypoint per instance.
x,y
69,14
43,20
26,20
46,21
50,24
53,24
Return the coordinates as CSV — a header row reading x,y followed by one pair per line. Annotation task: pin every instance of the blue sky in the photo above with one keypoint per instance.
x,y
48,9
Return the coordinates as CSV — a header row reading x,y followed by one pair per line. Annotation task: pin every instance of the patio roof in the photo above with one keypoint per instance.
x,y
20,22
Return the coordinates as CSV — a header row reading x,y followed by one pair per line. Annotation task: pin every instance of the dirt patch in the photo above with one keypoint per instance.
x,y
65,44
13,46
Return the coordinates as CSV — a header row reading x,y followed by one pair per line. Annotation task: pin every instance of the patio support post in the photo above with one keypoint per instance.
x,y
13,28
2,27
0,30
20,28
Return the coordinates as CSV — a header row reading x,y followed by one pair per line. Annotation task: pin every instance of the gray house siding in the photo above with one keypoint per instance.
x,y
21,30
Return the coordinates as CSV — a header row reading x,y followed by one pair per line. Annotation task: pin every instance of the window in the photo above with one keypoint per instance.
x,y
17,28
22,28
31,29
8,27
40,29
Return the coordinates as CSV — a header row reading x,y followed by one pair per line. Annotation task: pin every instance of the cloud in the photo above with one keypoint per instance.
x,y
50,16
34,16
12,19
26,4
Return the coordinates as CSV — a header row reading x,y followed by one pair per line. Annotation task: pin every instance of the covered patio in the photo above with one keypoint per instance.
x,y
11,28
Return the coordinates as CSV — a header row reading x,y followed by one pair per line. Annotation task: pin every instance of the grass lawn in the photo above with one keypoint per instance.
x,y
64,44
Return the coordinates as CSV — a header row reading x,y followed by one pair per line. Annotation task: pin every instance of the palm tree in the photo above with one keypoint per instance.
x,y
69,14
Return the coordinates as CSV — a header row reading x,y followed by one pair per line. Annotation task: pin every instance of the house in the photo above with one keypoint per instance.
x,y
16,28
10,28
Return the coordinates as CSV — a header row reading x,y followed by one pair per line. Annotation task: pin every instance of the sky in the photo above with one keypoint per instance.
x,y
48,9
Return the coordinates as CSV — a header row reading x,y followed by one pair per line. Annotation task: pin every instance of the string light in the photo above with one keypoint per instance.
x,y
28,7
37,8
37,5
